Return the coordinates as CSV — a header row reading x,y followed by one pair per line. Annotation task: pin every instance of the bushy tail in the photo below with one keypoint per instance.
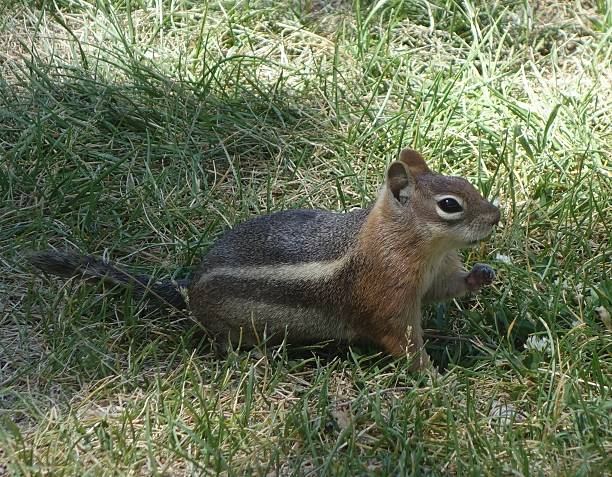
x,y
70,264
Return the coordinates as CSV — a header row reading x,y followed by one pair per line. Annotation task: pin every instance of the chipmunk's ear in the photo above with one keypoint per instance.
x,y
399,180
414,161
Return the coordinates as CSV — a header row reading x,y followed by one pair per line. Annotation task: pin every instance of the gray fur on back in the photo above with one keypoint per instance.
x,y
292,236
244,306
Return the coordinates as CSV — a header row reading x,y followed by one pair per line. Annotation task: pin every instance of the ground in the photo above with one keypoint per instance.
x,y
142,130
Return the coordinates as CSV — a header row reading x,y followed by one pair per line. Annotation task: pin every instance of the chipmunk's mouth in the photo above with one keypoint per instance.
x,y
476,234
474,242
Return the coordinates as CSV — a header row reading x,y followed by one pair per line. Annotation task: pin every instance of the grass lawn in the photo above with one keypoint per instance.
x,y
141,130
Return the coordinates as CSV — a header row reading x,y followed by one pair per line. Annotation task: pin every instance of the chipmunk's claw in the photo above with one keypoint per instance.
x,y
480,275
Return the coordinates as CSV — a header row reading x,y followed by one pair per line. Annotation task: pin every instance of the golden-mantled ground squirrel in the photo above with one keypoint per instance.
x,y
310,276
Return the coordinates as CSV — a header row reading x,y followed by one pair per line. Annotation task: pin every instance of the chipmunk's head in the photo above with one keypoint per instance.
x,y
449,208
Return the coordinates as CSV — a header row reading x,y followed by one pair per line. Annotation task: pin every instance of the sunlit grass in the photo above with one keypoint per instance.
x,y
144,130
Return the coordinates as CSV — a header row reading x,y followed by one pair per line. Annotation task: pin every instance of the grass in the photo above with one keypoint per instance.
x,y
143,130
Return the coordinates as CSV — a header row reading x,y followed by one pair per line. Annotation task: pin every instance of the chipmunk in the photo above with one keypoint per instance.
x,y
308,276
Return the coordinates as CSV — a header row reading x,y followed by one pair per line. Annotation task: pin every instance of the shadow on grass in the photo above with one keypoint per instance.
x,y
97,162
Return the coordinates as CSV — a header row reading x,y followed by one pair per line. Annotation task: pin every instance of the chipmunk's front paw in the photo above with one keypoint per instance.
x,y
479,276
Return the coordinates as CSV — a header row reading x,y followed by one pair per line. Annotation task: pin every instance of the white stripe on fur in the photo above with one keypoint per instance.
x,y
312,271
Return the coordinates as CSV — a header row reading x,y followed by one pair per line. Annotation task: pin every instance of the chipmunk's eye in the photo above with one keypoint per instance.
x,y
450,205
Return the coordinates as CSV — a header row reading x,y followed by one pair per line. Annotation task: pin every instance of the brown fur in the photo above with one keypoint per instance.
x,y
388,287
403,263
414,161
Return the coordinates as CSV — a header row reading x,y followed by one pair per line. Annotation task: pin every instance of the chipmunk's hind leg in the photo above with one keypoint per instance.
x,y
225,323
402,343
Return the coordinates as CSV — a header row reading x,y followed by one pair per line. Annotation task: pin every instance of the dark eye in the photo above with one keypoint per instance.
x,y
450,205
